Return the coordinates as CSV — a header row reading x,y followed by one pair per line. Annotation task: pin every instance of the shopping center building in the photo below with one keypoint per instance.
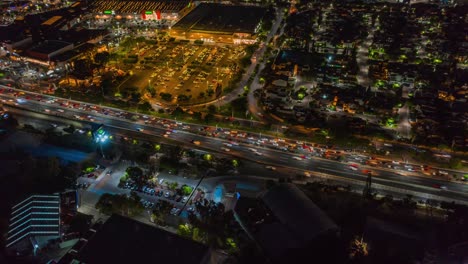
x,y
220,23
140,9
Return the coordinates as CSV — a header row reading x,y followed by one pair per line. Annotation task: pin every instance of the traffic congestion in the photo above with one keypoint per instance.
x,y
230,140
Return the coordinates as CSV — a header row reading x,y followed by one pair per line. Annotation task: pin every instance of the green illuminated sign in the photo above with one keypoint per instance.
x,y
148,12
107,12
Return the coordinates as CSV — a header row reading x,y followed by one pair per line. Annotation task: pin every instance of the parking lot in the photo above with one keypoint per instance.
x,y
107,181
189,73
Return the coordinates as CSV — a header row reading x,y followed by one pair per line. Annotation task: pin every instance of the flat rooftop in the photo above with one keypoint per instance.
x,y
123,240
50,46
52,20
221,18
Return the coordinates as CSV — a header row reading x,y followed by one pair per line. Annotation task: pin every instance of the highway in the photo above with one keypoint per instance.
x,y
265,156
60,105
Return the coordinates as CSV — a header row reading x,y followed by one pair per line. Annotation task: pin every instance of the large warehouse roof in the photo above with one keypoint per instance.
x,y
124,240
222,18
296,211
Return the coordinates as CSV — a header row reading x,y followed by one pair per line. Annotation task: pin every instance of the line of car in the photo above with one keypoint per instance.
x,y
278,143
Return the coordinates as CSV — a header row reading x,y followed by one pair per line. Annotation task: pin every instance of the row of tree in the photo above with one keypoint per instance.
x,y
120,204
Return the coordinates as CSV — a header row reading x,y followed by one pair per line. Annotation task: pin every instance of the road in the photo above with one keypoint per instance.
x,y
399,179
362,58
404,127
79,110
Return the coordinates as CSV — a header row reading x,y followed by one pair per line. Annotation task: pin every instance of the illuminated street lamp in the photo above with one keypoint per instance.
x,y
100,137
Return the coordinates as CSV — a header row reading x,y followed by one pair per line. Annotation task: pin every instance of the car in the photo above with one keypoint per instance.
x,y
438,186
225,149
297,158
175,211
270,168
185,199
167,194
196,142
139,129
258,154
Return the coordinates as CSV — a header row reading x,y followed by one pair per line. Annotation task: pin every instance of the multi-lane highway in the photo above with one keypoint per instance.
x,y
261,149
312,166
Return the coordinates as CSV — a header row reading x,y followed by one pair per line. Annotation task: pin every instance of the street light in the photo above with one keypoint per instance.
x,y
100,137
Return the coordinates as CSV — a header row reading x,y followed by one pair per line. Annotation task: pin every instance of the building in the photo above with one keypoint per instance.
x,y
12,37
220,23
287,226
123,240
140,9
44,52
34,222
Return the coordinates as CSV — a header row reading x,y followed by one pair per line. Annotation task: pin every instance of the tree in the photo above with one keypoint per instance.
x,y
455,163
121,204
135,96
175,153
209,118
178,112
186,190
185,230
211,109
166,96
210,91
358,249
101,57
161,210
197,116
136,174
146,107
214,222
172,186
